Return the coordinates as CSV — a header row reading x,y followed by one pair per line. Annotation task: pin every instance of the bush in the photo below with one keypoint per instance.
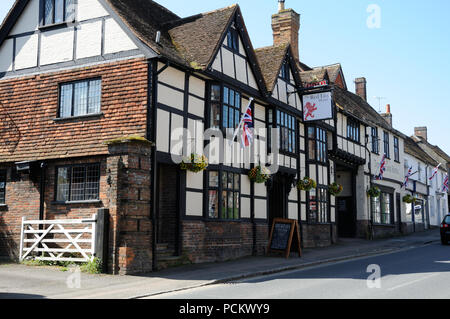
x,y
92,267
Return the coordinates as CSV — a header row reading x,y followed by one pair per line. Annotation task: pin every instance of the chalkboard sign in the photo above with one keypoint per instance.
x,y
282,235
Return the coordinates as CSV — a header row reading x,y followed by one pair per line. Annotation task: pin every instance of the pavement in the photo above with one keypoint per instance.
x,y
20,281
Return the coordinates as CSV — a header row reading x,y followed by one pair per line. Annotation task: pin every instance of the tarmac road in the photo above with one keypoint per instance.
x,y
417,273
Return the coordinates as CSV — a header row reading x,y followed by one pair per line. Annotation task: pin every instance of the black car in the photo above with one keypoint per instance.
x,y
445,230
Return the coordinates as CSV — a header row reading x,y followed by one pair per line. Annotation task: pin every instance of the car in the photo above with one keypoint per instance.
x,y
445,230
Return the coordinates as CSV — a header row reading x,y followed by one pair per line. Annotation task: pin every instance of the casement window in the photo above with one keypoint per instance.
x,y
225,110
353,130
318,206
80,98
396,150
382,209
2,187
78,183
224,195
288,128
285,72
386,145
233,40
57,11
317,144
375,141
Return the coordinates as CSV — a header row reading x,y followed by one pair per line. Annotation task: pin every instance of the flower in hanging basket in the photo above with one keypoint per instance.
x,y
409,199
306,184
374,192
335,189
259,174
194,163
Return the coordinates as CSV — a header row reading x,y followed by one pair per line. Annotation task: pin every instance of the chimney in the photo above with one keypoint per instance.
x,y
421,132
361,88
285,26
388,115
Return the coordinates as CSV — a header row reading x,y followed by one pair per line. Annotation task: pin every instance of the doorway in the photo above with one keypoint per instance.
x,y
278,197
167,232
346,202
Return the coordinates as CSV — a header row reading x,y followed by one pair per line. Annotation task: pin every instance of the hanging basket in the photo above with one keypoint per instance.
x,y
335,189
409,199
259,174
195,163
306,184
374,192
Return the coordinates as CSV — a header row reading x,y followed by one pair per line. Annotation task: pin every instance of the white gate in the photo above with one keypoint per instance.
x,y
70,240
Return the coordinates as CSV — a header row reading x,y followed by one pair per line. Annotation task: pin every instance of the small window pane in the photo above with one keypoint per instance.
x,y
63,185
66,100
48,12
80,101
225,95
213,206
70,10
78,181
225,116
92,182
230,208
214,179
94,97
59,11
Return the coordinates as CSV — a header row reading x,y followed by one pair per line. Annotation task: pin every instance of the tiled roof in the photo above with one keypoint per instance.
x,y
270,60
413,149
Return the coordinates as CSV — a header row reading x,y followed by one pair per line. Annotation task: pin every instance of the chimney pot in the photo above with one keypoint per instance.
x,y
388,109
280,5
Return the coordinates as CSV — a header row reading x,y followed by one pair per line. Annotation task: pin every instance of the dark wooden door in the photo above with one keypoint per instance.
x,y
346,217
278,198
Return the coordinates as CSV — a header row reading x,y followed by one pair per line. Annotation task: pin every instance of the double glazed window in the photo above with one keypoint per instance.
x,y
353,128
318,206
225,108
396,150
286,124
375,141
386,145
78,183
80,98
224,195
382,209
2,186
57,11
317,144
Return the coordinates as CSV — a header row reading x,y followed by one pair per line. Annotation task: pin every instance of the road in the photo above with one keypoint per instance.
x,y
417,273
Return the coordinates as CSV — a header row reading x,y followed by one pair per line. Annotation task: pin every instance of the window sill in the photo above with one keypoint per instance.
x,y
74,118
3,206
77,202
54,26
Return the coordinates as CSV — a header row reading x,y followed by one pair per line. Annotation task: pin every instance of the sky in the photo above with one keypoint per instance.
x,y
401,47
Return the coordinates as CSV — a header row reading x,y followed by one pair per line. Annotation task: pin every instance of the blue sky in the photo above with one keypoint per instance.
x,y
405,60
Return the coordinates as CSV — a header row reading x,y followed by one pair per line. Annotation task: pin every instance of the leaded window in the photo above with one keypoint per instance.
x,y
225,110
317,144
80,98
224,195
396,150
2,186
287,125
375,141
318,206
233,40
78,183
386,145
353,130
57,11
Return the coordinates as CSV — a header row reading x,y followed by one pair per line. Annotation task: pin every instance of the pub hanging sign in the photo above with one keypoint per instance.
x,y
317,107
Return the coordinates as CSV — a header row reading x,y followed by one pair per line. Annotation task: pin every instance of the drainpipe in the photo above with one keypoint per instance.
x,y
43,167
370,184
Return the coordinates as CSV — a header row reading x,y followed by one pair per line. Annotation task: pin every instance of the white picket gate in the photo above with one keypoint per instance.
x,y
52,240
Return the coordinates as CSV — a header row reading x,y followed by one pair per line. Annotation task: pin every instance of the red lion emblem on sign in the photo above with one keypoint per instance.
x,y
310,110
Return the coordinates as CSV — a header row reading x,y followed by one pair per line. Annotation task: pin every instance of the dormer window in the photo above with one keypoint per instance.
x,y
285,70
233,40
57,11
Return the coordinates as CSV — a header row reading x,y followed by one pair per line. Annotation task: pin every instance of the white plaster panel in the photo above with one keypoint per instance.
x,y
57,46
162,139
176,135
29,20
197,86
90,9
170,97
293,211
196,106
89,40
245,185
194,204
260,190
260,209
172,77
241,72
116,40
26,52
194,180
6,55
245,207
228,63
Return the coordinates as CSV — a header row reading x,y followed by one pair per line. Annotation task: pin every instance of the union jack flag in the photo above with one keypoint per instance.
x,y
408,175
445,187
382,168
247,128
436,169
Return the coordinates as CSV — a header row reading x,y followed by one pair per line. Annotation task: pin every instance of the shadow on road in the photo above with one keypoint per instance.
x,y
19,296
